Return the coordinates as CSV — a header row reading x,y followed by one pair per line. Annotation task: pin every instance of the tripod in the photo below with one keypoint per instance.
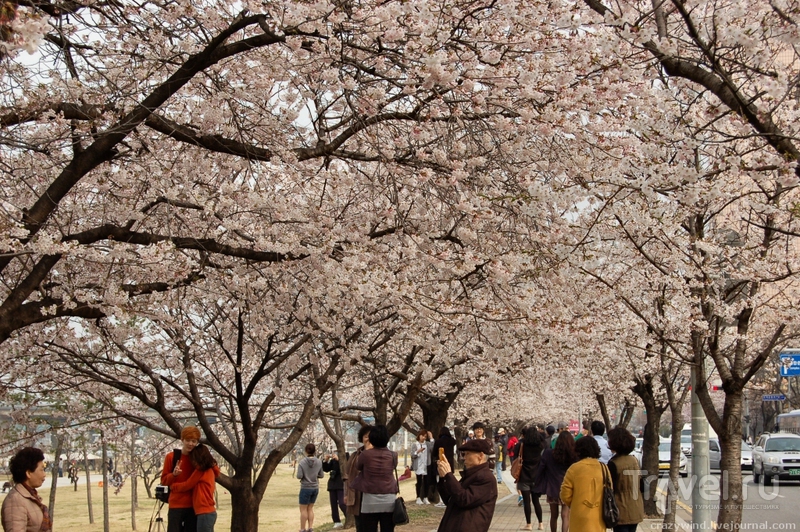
x,y
157,522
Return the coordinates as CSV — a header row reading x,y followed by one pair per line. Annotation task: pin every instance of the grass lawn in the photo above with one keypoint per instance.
x,y
279,509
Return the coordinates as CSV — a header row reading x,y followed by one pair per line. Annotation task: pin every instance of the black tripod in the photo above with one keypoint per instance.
x,y
157,522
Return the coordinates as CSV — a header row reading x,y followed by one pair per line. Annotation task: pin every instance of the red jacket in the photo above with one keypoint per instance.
x,y
201,487
512,442
177,499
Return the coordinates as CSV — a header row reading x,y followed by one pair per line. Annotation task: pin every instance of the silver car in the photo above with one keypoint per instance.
x,y
776,456
715,455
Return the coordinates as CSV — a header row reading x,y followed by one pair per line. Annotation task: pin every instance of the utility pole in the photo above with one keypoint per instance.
x,y
700,460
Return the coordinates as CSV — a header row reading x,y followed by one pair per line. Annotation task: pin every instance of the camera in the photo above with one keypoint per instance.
x,y
162,493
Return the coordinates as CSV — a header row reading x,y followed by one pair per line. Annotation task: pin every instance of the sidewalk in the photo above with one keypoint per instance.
x,y
508,516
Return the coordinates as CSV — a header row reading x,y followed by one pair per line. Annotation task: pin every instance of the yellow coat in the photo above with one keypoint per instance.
x,y
582,491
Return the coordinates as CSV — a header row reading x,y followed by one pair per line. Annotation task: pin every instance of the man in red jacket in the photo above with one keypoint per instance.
x,y
470,501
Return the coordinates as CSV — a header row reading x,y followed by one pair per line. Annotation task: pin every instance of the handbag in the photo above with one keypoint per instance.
x,y
610,509
516,467
399,514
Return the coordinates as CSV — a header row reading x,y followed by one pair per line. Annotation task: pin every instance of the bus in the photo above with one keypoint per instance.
x,y
789,422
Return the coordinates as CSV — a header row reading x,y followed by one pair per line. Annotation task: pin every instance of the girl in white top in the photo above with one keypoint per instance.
x,y
419,454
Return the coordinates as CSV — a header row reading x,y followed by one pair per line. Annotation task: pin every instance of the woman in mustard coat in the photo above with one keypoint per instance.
x,y
582,489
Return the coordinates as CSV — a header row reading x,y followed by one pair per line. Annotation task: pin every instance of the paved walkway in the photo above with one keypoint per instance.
x,y
508,516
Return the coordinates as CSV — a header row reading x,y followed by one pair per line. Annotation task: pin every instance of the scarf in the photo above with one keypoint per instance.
x,y
47,526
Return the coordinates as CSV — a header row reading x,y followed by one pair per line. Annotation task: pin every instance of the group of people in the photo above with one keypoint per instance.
x,y
570,471
371,483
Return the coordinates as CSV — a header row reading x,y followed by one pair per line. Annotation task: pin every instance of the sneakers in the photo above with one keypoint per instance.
x,y
419,501
337,525
541,526
425,501
519,501
440,505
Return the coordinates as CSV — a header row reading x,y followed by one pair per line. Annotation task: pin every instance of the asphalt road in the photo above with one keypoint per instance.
x,y
776,507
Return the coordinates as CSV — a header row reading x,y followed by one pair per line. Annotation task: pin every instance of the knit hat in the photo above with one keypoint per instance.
x,y
190,433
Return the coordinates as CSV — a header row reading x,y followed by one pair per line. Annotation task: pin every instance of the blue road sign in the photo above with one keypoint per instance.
x,y
774,397
790,364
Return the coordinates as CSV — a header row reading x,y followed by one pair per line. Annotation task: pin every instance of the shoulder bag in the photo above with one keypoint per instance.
x,y
610,509
400,514
516,467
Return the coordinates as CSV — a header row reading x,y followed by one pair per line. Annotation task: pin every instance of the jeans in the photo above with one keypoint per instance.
x,y
205,522
625,528
498,468
181,520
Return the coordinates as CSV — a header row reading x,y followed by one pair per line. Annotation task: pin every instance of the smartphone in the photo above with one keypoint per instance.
x,y
441,453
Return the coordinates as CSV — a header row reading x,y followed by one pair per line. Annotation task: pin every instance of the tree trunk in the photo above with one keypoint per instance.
x,y
674,465
627,414
244,506
644,389
730,441
434,414
601,402
88,486
54,484
106,517
134,490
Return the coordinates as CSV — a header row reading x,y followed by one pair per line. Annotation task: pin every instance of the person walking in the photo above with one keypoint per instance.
x,y
552,467
598,429
376,481
23,509
470,501
201,485
582,489
625,475
529,450
309,471
335,488
420,456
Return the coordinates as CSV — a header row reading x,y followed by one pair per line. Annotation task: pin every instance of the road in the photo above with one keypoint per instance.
x,y
776,507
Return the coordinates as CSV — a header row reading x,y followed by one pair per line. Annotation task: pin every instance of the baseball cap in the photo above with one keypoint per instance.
x,y
562,425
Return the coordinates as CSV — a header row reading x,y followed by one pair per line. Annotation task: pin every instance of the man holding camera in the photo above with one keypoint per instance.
x,y
180,517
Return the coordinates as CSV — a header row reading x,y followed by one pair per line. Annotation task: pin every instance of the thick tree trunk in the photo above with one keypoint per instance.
x,y
601,402
644,389
244,506
730,440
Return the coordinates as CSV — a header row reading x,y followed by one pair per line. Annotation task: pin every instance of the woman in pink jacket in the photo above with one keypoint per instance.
x,y
23,510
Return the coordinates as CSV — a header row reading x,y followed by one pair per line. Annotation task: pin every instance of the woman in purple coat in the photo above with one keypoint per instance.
x,y
552,467
377,483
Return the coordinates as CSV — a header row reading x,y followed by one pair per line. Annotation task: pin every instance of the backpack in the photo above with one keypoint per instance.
x,y
512,442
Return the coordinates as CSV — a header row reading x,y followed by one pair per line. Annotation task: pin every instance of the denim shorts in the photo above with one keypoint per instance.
x,y
308,496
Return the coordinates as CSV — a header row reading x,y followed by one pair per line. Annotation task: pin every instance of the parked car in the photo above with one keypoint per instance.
x,y
637,450
776,456
715,455
686,444
664,457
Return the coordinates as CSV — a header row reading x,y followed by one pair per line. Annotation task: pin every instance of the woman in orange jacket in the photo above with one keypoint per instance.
x,y
202,485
